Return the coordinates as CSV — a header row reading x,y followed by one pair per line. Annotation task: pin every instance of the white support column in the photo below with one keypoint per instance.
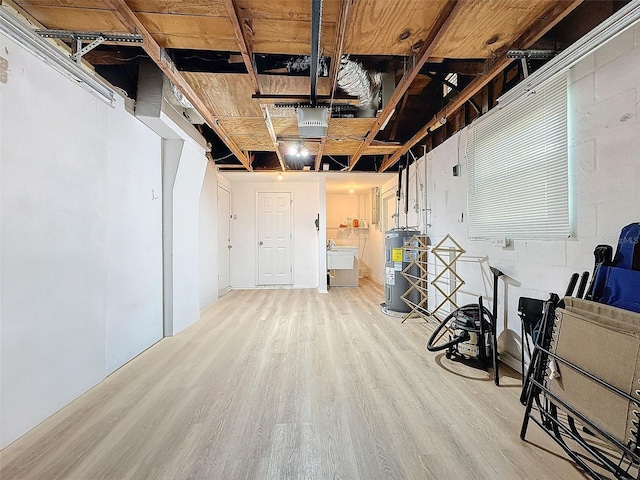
x,y
322,235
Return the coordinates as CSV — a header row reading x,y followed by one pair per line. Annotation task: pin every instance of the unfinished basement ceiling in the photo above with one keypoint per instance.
x,y
388,70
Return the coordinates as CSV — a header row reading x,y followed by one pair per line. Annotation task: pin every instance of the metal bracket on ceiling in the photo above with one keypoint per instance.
x,y
80,50
95,38
526,56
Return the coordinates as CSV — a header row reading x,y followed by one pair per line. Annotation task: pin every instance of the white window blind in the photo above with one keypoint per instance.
x,y
518,167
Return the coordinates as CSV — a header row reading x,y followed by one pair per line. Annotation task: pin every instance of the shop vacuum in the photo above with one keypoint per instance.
x,y
469,332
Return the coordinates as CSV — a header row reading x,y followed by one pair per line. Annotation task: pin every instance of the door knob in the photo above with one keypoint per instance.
x,y
260,243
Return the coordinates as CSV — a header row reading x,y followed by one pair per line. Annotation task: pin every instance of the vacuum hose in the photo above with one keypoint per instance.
x,y
470,312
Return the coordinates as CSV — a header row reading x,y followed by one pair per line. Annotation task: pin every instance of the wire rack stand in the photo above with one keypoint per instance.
x,y
416,248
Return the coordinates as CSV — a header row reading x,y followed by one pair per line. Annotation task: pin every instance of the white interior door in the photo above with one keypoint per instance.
x,y
224,239
274,238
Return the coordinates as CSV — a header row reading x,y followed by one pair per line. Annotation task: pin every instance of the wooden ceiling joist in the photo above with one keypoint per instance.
x,y
555,14
245,50
320,153
338,43
247,58
153,49
446,16
274,138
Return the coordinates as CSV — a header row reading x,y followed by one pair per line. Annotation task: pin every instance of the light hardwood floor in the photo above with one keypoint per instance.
x,y
292,384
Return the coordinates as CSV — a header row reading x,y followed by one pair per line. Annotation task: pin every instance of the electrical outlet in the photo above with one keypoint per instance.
x,y
501,242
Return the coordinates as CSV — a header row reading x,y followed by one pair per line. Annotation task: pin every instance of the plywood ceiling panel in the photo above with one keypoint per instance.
x,y
287,36
76,19
347,147
94,4
194,32
483,28
261,142
226,94
286,85
296,10
243,125
285,127
381,149
214,8
354,128
390,27
284,26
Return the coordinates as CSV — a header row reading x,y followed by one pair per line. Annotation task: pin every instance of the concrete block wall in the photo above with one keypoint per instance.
x,y
604,178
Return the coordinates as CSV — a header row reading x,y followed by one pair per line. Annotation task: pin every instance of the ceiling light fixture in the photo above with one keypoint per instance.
x,y
298,151
279,175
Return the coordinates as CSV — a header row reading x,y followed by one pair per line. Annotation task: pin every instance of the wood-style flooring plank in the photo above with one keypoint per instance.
x,y
292,384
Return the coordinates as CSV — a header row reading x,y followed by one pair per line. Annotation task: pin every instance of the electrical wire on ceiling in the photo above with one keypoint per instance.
x,y
255,133
222,158
338,123
339,163
117,58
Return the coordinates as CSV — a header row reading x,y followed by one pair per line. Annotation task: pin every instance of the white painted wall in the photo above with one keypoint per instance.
x,y
134,230
80,241
305,236
604,158
209,238
185,261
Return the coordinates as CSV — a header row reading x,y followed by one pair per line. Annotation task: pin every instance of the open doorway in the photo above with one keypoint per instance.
x,y
224,240
350,230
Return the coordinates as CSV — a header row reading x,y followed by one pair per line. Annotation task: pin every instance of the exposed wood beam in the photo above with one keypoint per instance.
x,y
556,13
440,78
245,50
462,67
320,152
274,138
338,43
158,55
445,18
396,124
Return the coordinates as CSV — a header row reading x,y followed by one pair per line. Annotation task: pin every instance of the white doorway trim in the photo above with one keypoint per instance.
x,y
224,240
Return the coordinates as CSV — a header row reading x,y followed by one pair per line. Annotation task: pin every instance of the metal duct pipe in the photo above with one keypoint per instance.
x,y
316,26
355,80
406,194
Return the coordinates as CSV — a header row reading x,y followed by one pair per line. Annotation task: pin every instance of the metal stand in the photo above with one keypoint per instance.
x,y
416,248
494,354
454,251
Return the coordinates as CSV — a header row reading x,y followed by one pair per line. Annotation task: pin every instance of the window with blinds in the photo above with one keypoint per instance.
x,y
518,167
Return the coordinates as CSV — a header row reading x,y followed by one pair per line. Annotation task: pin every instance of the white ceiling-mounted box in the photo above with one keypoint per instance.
x,y
313,122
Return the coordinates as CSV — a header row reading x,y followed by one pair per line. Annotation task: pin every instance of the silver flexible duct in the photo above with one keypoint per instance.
x,y
354,80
